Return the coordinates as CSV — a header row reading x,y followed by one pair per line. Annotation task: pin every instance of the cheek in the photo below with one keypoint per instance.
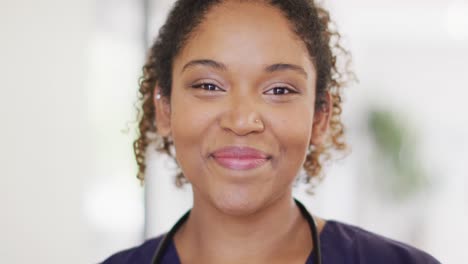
x,y
187,118
294,131
190,125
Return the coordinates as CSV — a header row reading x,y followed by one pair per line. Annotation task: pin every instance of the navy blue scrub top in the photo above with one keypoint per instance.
x,y
340,244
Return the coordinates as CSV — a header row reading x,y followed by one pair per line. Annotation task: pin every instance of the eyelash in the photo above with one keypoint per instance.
x,y
286,90
204,86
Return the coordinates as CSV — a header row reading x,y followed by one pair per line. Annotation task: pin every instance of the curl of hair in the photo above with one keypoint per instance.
x,y
309,21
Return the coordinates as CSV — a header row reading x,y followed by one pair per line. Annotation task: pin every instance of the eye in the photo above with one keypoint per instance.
x,y
281,90
207,86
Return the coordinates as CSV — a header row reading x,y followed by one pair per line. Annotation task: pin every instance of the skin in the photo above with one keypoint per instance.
x,y
224,79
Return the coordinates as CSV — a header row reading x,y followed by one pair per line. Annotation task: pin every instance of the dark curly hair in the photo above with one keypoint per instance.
x,y
308,20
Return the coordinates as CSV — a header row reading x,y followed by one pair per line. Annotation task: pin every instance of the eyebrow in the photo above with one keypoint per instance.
x,y
209,63
278,67
285,67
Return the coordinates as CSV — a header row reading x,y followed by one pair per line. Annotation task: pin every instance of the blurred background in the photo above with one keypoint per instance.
x,y
69,72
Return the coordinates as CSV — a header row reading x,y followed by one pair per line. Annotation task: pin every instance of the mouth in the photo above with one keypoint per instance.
x,y
240,158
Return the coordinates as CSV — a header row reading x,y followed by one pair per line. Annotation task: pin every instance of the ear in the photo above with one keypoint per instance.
x,y
163,113
322,121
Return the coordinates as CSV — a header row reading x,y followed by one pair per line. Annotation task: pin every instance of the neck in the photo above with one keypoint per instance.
x,y
273,234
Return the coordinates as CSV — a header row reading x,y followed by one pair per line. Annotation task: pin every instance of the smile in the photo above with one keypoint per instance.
x,y
240,158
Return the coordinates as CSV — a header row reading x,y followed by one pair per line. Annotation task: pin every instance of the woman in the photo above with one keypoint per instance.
x,y
243,94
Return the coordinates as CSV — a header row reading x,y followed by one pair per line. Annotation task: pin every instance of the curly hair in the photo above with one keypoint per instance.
x,y
309,21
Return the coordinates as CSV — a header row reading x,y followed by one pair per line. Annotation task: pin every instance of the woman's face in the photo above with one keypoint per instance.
x,y
242,107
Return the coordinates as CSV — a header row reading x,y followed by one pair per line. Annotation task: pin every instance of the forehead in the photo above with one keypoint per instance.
x,y
246,33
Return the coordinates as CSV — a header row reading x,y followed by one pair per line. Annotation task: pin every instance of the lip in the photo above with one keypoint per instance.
x,y
240,158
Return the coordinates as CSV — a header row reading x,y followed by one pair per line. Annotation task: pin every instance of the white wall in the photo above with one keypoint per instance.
x,y
45,156
68,81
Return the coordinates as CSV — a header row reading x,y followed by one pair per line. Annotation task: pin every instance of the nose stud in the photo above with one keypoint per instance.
x,y
259,124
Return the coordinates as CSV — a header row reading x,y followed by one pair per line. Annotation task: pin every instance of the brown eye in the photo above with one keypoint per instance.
x,y
280,91
207,87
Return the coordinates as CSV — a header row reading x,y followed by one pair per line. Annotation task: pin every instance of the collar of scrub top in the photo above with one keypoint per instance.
x,y
159,253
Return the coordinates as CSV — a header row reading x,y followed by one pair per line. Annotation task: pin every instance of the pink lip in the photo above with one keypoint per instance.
x,y
240,158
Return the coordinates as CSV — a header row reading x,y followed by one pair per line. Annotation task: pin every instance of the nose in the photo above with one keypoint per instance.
x,y
242,116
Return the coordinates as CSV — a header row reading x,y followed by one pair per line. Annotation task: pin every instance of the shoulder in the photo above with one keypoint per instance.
x,y
367,247
139,254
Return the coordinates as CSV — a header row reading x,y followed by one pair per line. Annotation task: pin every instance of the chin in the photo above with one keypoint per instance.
x,y
238,202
